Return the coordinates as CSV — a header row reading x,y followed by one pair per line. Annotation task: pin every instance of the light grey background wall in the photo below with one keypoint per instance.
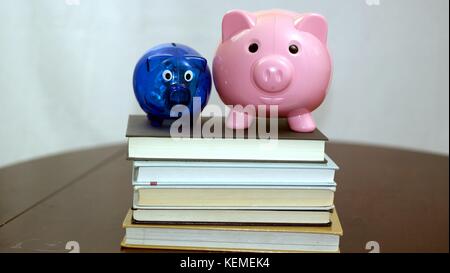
x,y
66,68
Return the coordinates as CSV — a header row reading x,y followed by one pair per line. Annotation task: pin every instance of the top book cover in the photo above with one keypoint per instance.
x,y
139,126
209,139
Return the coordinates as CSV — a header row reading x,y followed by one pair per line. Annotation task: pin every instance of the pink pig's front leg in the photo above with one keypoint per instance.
x,y
302,122
239,120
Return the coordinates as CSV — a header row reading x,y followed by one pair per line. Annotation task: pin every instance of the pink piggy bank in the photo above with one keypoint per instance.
x,y
273,57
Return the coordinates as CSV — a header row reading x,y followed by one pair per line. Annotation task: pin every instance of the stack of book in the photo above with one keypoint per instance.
x,y
231,192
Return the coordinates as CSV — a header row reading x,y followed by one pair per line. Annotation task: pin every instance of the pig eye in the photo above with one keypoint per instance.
x,y
293,49
167,75
253,48
188,75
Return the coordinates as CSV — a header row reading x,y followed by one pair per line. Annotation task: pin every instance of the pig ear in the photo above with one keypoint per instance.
x,y
156,60
198,62
236,21
314,24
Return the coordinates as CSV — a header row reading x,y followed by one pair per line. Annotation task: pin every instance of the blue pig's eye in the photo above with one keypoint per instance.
x,y
167,75
188,75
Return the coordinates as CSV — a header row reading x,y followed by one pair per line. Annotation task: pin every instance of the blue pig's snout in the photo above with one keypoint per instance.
x,y
179,94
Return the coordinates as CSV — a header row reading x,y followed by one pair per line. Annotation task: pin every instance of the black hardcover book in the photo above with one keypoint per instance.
x,y
209,139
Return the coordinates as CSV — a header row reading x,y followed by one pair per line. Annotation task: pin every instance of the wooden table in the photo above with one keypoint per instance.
x,y
395,197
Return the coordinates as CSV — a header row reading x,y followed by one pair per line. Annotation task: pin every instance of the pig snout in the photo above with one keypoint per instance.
x,y
272,73
179,94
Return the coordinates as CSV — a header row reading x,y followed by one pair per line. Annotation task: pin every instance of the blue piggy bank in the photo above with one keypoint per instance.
x,y
168,75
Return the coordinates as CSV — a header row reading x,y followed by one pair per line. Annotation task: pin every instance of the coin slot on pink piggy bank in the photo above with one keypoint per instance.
x,y
273,57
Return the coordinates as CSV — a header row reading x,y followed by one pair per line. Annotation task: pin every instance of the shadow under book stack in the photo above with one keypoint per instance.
x,y
231,193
